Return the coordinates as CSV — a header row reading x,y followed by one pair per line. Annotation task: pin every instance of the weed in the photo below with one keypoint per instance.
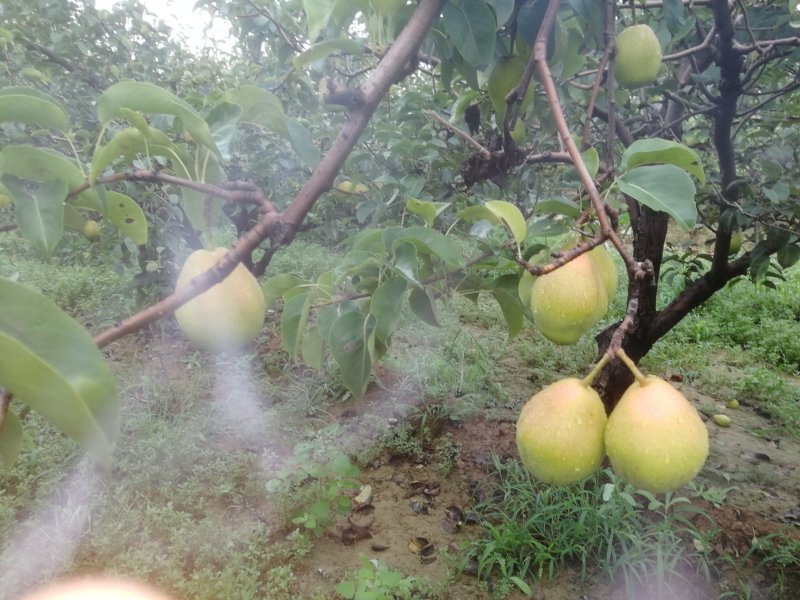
x,y
782,556
375,581
532,530
714,495
446,454
402,442
315,483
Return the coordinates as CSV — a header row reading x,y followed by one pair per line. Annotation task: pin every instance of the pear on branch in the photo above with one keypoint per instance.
x,y
228,315
569,301
560,430
655,439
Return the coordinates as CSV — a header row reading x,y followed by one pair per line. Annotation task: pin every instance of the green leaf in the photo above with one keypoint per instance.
x,y
127,216
32,107
512,311
788,255
557,206
294,321
346,589
146,97
503,9
276,286
511,217
40,212
423,306
405,261
659,151
51,364
129,143
428,241
471,27
665,188
313,349
39,164
521,584
260,107
349,344
385,306
10,439
303,143
479,213
223,120
427,211
325,49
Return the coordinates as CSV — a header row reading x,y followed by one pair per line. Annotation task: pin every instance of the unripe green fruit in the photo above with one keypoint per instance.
x,y
567,302
655,438
5,201
638,57
722,420
228,315
91,229
560,432
736,243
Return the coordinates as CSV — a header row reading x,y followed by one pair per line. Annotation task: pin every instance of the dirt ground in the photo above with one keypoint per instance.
x,y
412,500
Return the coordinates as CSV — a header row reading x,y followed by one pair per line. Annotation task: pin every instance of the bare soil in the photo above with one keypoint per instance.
x,y
765,500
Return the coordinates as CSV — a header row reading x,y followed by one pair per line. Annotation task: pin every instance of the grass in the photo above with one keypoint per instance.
x,y
600,526
743,343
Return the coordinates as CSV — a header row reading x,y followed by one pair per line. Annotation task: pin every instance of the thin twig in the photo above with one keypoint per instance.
x,y
482,150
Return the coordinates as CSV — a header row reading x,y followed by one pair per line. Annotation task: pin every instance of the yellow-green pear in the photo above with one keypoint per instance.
x,y
226,316
736,243
655,439
606,268
92,231
567,302
638,57
560,431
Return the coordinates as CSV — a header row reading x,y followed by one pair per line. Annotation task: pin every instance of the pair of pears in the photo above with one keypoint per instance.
x,y
654,438
569,301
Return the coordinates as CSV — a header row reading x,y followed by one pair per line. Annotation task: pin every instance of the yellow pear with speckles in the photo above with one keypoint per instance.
x,y
560,431
655,439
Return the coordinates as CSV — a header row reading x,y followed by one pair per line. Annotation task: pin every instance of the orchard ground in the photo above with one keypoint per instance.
x,y
250,477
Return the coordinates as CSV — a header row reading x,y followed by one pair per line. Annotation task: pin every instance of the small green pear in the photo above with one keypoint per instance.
x,y
560,431
638,57
92,231
722,420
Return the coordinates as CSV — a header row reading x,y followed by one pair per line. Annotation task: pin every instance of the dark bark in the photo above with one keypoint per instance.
x,y
650,229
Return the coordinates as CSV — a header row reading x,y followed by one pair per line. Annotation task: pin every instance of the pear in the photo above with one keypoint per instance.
x,y
607,269
92,231
560,431
655,439
638,57
567,302
226,316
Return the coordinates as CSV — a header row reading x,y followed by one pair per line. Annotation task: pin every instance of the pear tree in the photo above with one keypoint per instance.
x,y
410,104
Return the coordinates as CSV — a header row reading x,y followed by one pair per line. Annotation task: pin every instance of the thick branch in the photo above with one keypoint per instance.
x,y
386,73
281,228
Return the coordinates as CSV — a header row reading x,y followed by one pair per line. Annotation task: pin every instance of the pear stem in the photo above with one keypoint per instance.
x,y
587,381
640,377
